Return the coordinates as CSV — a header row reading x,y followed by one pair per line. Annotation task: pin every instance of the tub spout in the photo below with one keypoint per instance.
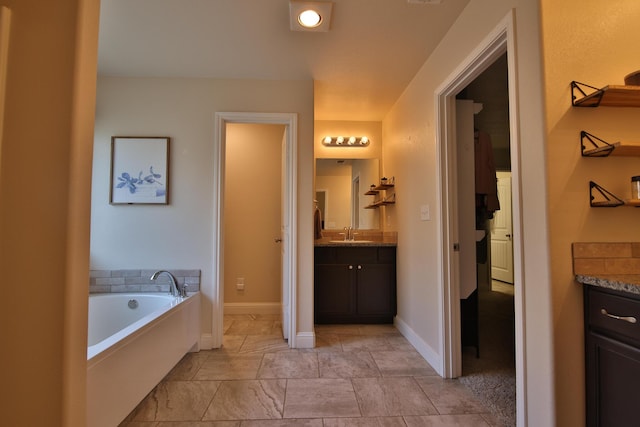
x,y
173,288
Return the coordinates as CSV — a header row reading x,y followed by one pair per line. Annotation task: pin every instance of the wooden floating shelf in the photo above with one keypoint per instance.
x,y
600,148
608,96
376,205
610,199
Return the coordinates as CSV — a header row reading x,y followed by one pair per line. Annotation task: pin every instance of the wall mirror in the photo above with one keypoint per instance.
x,y
340,188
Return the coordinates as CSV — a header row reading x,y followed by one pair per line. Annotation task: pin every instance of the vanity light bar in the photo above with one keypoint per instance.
x,y
343,141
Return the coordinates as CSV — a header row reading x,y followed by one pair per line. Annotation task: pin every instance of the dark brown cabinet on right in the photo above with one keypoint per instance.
x,y
612,342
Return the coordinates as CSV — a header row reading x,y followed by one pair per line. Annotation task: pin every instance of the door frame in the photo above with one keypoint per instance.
x,y
289,261
499,41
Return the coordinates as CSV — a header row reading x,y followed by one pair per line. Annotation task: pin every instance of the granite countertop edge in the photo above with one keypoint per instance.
x,y
354,243
624,282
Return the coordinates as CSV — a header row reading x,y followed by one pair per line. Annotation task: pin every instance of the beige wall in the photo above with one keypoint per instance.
x,y
252,212
594,44
411,154
44,210
181,234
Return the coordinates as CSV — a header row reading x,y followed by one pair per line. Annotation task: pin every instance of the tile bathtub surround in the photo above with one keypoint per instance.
x,y
357,376
606,259
108,281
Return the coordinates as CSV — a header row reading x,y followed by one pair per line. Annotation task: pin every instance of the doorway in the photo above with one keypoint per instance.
x,y
252,219
288,231
499,42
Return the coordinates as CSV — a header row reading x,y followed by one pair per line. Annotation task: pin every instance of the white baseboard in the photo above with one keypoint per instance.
x,y
420,345
206,341
252,308
305,340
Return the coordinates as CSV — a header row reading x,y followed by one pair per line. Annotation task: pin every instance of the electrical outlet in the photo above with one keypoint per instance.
x,y
240,284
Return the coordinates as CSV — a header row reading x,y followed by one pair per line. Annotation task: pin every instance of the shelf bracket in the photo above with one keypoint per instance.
x,y
611,201
595,95
600,149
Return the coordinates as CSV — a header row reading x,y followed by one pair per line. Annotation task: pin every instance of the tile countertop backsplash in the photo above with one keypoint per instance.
x,y
608,265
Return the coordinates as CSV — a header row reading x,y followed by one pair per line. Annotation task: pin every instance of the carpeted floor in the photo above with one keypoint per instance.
x,y
491,377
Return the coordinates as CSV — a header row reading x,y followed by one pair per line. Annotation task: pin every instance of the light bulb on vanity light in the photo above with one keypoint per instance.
x,y
340,140
352,140
326,140
364,140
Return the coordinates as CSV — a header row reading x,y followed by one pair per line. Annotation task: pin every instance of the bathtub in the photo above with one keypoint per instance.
x,y
133,342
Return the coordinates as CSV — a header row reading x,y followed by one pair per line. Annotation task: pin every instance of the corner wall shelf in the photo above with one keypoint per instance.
x,y
608,96
388,200
601,148
610,199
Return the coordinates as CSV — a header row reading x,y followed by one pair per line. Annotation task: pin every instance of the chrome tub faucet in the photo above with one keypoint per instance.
x,y
174,288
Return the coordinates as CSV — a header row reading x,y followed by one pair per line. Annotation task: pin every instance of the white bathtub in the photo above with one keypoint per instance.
x,y
131,350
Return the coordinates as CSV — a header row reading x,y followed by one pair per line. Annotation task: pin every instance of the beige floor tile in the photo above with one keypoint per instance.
x,y
338,329
378,330
309,422
264,344
365,422
364,343
398,342
232,343
450,396
247,400
223,366
347,365
471,420
313,398
176,401
139,424
328,342
187,368
291,364
197,424
391,397
402,363
250,327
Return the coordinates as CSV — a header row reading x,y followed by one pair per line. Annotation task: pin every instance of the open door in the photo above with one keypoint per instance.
x,y
502,233
466,197
284,241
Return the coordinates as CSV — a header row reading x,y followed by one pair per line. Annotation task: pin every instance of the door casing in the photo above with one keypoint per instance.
x,y
499,41
289,242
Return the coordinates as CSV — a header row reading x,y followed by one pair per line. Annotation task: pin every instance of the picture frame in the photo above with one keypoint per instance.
x,y
139,170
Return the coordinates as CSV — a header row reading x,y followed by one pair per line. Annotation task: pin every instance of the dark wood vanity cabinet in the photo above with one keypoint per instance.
x,y
355,284
612,342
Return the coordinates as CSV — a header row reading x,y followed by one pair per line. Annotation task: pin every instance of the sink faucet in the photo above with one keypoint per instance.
x,y
174,288
349,234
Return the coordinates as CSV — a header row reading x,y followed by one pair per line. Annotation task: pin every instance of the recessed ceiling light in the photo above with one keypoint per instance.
x,y
309,18
310,15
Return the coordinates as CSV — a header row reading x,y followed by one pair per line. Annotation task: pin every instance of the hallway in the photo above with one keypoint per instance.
x,y
358,375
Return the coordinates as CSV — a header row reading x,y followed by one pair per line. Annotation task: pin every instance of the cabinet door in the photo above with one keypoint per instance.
x,y
333,292
613,376
376,287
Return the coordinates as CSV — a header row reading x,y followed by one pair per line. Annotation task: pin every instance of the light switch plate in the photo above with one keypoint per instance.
x,y
425,214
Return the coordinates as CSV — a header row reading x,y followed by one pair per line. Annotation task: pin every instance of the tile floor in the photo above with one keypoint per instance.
x,y
358,375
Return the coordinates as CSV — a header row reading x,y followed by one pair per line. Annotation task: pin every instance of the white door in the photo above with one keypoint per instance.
x,y
502,232
284,240
466,197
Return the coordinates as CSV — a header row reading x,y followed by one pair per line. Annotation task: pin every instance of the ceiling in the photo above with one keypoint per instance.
x,y
359,67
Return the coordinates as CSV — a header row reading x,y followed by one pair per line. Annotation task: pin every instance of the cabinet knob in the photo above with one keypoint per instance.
x,y
359,267
351,267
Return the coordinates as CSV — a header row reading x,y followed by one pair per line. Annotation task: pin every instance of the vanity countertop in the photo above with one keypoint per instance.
x,y
334,243
618,282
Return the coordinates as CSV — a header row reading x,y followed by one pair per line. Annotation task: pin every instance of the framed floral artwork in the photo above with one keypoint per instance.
x,y
139,170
